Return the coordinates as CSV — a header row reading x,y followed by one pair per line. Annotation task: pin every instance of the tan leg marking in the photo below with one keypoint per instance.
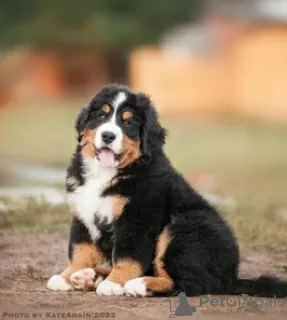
x,y
125,270
162,282
85,255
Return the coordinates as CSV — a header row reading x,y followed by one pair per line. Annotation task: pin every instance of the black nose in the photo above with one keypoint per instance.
x,y
108,137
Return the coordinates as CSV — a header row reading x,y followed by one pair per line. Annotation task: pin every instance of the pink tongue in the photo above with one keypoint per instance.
x,y
107,158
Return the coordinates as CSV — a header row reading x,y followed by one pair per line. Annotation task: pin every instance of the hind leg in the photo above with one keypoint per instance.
x,y
189,264
144,286
201,258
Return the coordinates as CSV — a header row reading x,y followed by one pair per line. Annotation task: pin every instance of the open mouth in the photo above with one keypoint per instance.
x,y
107,158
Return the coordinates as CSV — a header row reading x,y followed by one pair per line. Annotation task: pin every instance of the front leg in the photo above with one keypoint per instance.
x,y
132,257
83,254
122,271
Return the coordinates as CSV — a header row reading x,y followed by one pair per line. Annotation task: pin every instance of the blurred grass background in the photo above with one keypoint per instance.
x,y
238,157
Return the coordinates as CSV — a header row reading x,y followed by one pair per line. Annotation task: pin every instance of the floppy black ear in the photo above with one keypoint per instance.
x,y
81,122
152,134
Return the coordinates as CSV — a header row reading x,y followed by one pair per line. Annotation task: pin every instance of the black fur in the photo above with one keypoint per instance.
x,y
203,255
78,234
105,242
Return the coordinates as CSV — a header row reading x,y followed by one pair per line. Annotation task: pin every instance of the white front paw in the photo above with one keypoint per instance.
x,y
135,287
58,283
110,288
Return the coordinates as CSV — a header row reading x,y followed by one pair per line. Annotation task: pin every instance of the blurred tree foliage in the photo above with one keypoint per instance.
x,y
107,24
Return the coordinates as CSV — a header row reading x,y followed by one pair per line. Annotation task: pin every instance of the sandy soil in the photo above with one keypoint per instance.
x,y
28,261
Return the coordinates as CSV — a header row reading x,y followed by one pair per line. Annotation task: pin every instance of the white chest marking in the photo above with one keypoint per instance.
x,y
87,199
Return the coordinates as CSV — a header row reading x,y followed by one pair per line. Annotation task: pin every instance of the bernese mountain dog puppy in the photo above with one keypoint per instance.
x,y
138,227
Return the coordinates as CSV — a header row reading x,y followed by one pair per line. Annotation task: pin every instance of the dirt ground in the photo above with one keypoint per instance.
x,y
28,261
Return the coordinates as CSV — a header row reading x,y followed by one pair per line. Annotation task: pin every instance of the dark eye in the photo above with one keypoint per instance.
x,y
127,123
101,115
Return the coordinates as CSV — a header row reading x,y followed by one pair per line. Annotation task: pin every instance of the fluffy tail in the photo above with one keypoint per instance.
x,y
263,286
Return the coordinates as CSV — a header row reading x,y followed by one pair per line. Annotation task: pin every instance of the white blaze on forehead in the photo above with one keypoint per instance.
x,y
119,99
111,126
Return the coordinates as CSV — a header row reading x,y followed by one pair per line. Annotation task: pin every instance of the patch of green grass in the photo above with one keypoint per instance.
x,y
247,159
257,227
33,217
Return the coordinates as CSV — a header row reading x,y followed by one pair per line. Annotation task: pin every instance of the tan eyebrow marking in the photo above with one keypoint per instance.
x,y
127,115
106,108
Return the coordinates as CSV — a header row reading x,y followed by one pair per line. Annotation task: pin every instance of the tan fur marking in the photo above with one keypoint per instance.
x,y
127,115
118,205
85,255
158,284
163,281
162,243
131,152
87,143
125,270
106,108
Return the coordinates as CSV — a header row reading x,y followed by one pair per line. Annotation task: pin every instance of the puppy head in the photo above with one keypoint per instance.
x,y
118,127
